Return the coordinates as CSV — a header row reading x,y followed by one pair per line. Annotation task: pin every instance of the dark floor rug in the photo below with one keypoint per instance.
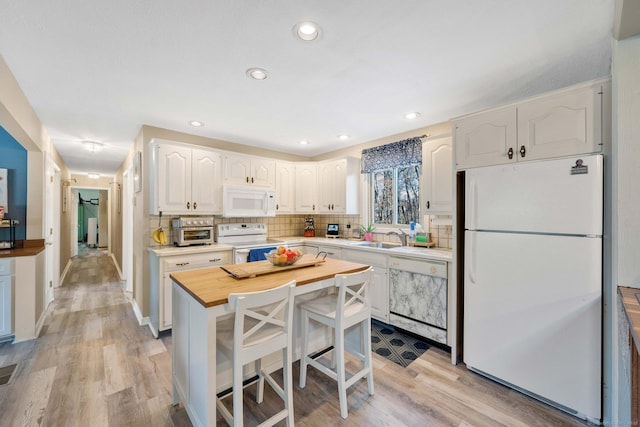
x,y
394,345
6,372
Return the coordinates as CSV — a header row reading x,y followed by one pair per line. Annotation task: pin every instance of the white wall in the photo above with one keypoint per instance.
x,y
625,203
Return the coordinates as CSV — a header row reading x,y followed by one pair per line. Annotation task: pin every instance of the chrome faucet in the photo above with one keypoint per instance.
x,y
401,235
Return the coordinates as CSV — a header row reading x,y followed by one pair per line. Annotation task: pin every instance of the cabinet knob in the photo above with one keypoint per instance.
x,y
510,153
195,205
252,180
277,206
313,207
523,151
188,205
247,178
428,205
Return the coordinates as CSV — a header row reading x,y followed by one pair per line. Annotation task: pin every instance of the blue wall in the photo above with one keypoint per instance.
x,y
13,157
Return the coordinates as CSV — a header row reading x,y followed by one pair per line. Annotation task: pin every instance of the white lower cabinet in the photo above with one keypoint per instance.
x,y
6,298
379,280
162,264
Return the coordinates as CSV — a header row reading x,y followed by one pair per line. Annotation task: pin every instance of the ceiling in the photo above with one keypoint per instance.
x,y
99,70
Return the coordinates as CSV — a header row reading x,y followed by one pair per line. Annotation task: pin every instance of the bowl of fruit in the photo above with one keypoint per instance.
x,y
282,256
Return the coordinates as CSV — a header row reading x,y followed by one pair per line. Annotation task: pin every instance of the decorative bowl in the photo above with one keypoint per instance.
x,y
286,258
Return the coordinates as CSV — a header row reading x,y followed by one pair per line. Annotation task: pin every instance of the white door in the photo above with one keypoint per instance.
x,y
306,188
206,176
52,222
532,314
285,187
73,211
542,196
174,179
127,228
437,173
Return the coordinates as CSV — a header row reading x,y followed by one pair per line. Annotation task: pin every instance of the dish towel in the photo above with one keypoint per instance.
x,y
258,254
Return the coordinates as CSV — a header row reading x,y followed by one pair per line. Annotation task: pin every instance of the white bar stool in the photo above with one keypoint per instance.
x,y
262,325
346,308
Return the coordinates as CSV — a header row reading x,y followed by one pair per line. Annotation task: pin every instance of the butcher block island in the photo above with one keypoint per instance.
x,y
200,299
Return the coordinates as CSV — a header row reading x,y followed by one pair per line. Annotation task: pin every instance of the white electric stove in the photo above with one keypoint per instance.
x,y
243,237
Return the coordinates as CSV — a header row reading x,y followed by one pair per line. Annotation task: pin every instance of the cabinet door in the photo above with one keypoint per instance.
x,y
486,139
332,186
237,169
560,125
380,294
263,172
206,186
437,177
174,179
6,305
306,188
285,187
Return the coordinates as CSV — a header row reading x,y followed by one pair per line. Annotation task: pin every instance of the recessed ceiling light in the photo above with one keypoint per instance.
x,y
411,116
92,146
303,142
257,74
307,31
196,123
93,175
343,137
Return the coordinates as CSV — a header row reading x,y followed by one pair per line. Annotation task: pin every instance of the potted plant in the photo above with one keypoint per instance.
x,y
368,231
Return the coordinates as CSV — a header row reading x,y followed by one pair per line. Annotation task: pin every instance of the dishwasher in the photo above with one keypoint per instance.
x,y
418,297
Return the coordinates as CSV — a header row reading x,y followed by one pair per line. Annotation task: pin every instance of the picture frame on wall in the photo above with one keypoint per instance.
x,y
137,172
4,195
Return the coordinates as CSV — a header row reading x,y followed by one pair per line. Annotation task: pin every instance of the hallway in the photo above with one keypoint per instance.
x,y
92,365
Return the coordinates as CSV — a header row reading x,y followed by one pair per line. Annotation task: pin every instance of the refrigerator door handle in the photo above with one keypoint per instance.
x,y
472,204
472,258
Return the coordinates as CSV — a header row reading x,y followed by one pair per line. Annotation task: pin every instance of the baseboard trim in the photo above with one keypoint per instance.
x,y
142,321
64,273
115,262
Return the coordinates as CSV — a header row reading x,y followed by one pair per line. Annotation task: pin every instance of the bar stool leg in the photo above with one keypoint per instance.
x,y
341,376
305,344
238,416
366,326
260,385
287,382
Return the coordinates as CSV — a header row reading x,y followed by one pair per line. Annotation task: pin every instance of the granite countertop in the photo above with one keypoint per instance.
x,y
24,248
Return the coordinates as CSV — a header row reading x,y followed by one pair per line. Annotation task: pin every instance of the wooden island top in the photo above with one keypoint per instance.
x,y
212,286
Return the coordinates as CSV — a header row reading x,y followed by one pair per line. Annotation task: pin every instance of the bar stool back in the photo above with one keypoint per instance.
x,y
349,306
262,325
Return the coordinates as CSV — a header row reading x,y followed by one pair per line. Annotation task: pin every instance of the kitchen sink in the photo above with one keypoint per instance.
x,y
379,245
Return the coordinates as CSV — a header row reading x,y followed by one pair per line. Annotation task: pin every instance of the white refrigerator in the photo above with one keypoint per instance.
x,y
533,279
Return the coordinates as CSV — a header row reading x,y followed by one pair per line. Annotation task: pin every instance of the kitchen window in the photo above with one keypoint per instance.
x,y
394,172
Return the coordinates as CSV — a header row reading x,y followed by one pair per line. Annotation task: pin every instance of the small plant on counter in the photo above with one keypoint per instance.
x,y
367,231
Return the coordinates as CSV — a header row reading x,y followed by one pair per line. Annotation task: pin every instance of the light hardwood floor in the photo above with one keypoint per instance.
x,y
93,365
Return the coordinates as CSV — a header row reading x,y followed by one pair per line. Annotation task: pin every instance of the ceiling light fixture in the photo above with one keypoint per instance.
x,y
93,175
257,74
303,142
196,123
343,137
306,31
92,146
412,115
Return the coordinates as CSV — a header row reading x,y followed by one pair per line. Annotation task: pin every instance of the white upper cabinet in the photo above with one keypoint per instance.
x,y
437,177
285,187
338,185
185,180
563,123
486,138
248,170
306,188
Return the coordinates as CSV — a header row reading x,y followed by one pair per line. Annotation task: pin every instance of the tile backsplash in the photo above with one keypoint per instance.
x,y
293,225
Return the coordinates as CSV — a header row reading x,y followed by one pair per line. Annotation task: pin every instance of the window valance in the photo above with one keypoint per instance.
x,y
400,153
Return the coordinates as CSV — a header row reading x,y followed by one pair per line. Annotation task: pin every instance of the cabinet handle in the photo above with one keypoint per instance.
x,y
428,205
195,206
247,178
510,153
313,207
182,264
188,205
277,206
252,180
523,151
215,260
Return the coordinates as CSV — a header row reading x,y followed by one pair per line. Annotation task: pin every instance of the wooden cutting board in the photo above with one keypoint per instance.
x,y
253,269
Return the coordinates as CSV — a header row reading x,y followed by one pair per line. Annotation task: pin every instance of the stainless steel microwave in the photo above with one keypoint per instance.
x,y
187,231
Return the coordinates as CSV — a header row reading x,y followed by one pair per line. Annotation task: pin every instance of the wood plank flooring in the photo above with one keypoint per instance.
x,y
93,365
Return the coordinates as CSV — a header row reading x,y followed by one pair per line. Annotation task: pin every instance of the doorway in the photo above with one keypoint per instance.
x,y
90,219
